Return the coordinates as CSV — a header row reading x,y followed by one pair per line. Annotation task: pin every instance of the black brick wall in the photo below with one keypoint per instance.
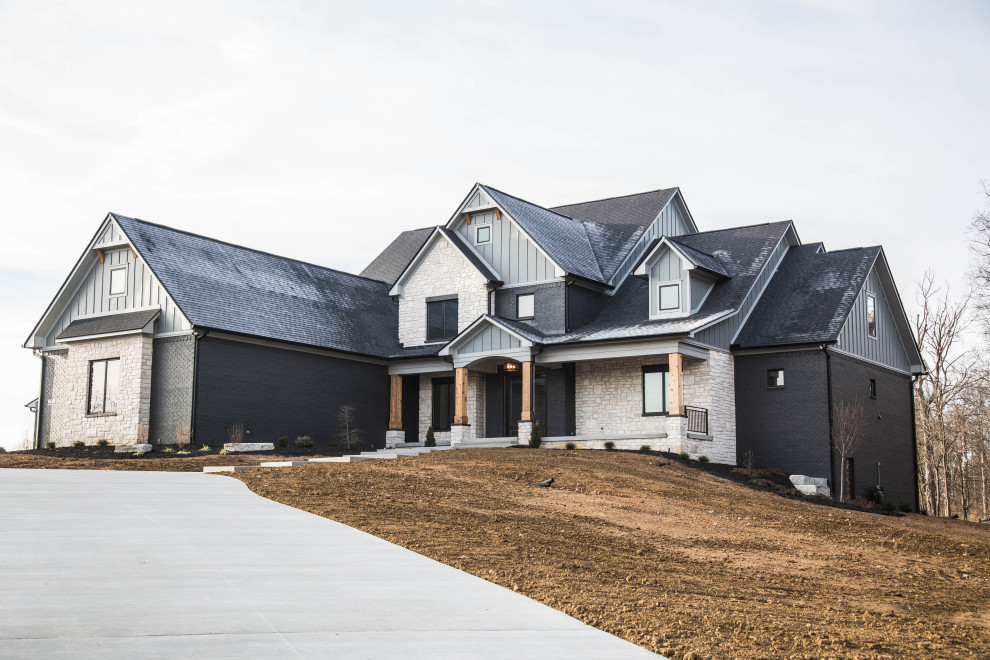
x,y
583,305
548,305
785,428
888,429
171,387
275,392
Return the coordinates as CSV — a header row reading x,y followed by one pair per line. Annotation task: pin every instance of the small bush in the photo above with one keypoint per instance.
x,y
645,449
206,448
49,445
904,507
333,444
890,506
354,445
431,440
684,456
570,445
169,450
102,442
609,445
283,441
702,459
78,443
223,452
181,451
535,435
304,441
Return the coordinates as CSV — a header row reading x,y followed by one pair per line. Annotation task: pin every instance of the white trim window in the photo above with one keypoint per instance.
x,y
482,234
525,306
669,297
871,316
118,282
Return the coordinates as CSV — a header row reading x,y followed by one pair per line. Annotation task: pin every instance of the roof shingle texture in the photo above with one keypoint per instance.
x,y
388,265
110,324
227,287
809,298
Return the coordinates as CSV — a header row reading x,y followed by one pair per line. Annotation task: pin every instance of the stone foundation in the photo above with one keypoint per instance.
x,y
394,437
525,429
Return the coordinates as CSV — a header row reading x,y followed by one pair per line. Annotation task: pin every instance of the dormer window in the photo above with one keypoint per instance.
x,y
482,234
670,297
118,281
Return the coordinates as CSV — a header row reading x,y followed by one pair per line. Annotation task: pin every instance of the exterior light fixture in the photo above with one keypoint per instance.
x,y
511,367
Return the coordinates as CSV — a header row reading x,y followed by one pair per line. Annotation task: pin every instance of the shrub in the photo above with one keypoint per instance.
x,y
431,440
206,448
49,445
890,506
684,456
702,459
283,441
645,449
609,445
535,435
223,452
169,450
354,445
570,445
348,432
102,442
78,443
181,451
333,444
304,441
904,507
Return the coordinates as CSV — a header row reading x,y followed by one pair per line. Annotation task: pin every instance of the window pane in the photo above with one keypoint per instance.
x,y
97,383
434,320
525,306
655,391
484,234
871,315
118,281
670,297
112,386
775,378
450,319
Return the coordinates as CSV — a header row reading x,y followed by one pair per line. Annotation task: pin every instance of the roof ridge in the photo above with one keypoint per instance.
x,y
673,239
244,247
867,247
526,201
607,199
755,224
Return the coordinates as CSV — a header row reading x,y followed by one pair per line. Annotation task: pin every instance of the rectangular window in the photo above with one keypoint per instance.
x,y
871,315
775,378
441,319
670,297
873,389
483,234
104,383
443,403
525,306
656,389
118,281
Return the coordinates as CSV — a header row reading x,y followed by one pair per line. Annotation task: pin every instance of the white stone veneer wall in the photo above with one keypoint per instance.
x,y
475,406
71,390
711,384
444,271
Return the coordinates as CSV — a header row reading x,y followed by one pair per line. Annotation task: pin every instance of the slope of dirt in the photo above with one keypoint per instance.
x,y
672,558
104,458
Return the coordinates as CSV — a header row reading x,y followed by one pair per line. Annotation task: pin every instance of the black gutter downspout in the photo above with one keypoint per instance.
x,y
828,386
41,402
195,383
914,443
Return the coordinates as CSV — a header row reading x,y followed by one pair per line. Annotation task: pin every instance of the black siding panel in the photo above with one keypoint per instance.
x,y
494,412
410,407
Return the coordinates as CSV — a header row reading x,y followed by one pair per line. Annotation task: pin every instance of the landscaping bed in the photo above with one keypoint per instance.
x,y
104,458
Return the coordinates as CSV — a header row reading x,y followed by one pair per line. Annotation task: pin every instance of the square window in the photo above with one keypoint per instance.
x,y
104,385
118,281
441,319
670,297
483,234
871,315
775,378
656,389
873,388
525,306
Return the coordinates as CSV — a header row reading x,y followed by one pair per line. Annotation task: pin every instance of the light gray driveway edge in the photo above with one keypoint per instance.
x,y
171,564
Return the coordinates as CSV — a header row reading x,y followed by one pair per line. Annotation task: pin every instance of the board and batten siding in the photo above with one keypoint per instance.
x,y
514,257
489,338
669,222
854,337
667,267
723,333
699,289
143,290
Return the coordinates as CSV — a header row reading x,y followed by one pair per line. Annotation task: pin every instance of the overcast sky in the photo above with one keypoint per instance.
x,y
321,130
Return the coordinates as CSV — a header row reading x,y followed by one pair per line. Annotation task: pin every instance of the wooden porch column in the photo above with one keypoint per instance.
x,y
395,403
676,395
460,395
527,392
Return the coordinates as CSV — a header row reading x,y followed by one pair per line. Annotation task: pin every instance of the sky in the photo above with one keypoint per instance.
x,y
320,130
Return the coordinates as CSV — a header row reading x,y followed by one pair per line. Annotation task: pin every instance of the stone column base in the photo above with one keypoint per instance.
x,y
459,433
525,430
394,437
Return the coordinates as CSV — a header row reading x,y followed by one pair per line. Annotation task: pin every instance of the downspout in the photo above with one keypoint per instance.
x,y
197,335
828,387
41,400
914,443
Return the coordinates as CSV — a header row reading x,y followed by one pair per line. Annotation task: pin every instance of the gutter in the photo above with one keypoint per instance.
x,y
914,443
197,335
41,401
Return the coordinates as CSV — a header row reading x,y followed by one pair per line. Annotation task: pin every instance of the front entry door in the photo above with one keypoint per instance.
x,y
512,405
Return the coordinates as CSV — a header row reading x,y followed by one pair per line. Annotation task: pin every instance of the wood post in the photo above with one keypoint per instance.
x,y
460,395
527,391
395,403
676,395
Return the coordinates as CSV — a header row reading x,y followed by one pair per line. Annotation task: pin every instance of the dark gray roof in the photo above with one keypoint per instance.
x,y
524,329
110,324
564,239
388,265
227,287
470,254
701,259
809,298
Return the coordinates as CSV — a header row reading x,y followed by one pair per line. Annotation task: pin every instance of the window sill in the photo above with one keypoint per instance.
x,y
657,414
113,414
699,436
436,341
525,318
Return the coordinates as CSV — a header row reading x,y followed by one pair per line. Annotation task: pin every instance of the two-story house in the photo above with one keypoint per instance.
x,y
611,320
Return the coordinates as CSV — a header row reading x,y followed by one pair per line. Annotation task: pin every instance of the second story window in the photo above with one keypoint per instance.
x,y
483,234
525,306
118,281
871,315
441,319
775,378
670,297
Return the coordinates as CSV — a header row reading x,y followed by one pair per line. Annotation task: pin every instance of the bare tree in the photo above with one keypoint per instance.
x,y
979,242
847,435
347,431
235,434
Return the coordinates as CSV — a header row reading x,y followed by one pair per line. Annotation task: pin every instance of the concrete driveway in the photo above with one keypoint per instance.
x,y
157,564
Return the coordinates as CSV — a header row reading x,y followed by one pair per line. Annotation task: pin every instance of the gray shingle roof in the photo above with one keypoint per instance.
x,y
564,239
226,287
470,254
701,259
388,265
809,298
110,324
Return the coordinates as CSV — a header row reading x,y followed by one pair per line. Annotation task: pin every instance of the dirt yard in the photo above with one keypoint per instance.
x,y
677,560
104,458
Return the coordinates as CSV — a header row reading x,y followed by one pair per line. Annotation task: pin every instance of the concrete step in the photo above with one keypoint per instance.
x,y
486,443
403,445
228,468
351,458
281,463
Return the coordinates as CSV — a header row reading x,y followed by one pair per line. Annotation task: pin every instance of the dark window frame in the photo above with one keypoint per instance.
x,y
665,403
446,332
873,388
660,288
451,388
477,231
783,380
519,316
89,387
